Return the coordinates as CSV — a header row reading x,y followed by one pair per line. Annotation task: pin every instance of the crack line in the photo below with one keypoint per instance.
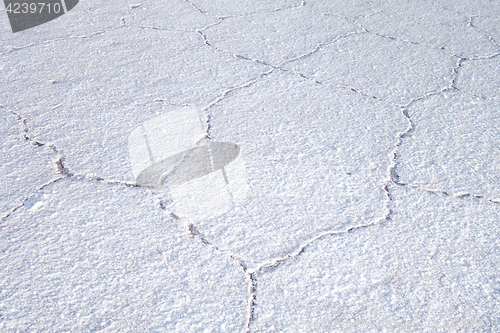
x,y
190,229
224,94
250,274
18,48
197,8
448,194
193,232
223,17
58,159
61,171
12,210
483,32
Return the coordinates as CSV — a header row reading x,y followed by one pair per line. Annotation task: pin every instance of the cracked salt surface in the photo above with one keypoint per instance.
x,y
175,15
105,94
398,73
90,256
369,133
23,167
93,18
480,78
463,159
278,36
283,124
441,24
225,8
433,267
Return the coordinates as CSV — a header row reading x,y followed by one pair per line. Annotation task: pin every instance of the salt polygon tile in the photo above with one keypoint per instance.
x,y
316,160
454,146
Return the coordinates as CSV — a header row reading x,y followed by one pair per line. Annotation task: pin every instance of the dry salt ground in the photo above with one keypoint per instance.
x,y
362,194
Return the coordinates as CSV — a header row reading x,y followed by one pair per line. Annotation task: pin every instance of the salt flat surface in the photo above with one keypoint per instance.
x,y
24,166
463,159
444,25
400,73
431,268
369,153
279,36
478,78
118,84
324,177
113,263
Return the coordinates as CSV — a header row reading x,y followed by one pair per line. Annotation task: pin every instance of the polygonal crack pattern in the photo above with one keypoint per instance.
x,y
370,137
